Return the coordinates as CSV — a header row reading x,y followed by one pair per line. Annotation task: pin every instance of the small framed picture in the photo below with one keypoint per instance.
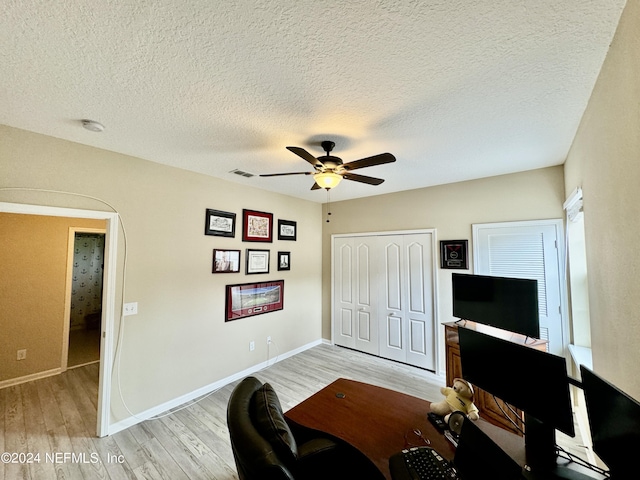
x,y
453,254
284,260
226,261
257,261
221,224
257,226
287,230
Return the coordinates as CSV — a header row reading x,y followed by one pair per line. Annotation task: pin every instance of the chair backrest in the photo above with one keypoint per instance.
x,y
255,457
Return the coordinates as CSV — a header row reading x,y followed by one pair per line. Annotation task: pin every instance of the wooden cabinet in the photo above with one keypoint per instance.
x,y
491,409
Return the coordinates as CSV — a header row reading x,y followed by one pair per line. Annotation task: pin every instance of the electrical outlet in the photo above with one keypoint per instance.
x,y
268,340
22,354
252,346
130,309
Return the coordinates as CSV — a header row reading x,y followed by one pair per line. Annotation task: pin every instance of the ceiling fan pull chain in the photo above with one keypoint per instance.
x,y
328,203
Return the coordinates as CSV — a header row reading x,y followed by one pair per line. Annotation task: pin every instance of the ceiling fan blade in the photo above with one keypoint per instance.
x,y
362,179
380,159
282,174
302,153
316,187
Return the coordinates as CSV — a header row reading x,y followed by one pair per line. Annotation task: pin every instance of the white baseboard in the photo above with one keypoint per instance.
x,y
30,378
160,409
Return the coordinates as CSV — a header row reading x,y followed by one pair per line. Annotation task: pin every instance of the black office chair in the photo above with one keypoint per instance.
x,y
265,448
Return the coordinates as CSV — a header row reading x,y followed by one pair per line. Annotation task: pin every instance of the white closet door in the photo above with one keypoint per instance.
x,y
526,250
343,288
406,301
393,335
420,306
355,308
365,295
384,296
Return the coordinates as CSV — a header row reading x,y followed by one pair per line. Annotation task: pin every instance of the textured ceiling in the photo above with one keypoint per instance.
x,y
455,89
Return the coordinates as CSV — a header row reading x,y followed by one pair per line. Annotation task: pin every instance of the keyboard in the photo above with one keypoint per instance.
x,y
420,463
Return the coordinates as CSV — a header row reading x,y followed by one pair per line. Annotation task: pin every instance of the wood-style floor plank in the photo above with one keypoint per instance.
x,y
58,415
35,428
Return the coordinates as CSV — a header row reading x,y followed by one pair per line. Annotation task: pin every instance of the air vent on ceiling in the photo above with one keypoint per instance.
x,y
242,174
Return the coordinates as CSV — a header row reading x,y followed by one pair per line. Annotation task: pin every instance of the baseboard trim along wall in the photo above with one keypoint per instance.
x,y
29,378
160,409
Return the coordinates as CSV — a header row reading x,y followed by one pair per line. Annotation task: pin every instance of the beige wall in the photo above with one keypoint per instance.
x,y
451,210
32,291
605,162
179,340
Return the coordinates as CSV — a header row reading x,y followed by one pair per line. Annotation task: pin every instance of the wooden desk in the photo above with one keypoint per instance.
x,y
372,419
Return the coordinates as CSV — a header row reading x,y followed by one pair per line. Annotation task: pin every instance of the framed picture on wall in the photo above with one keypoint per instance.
x,y
453,254
257,261
249,299
219,223
226,261
257,226
284,260
287,230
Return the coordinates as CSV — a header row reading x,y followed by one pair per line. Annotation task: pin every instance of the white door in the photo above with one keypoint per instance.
x,y
384,296
355,306
527,250
406,300
420,308
393,336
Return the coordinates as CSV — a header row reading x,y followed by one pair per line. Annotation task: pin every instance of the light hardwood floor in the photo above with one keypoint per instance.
x,y
57,416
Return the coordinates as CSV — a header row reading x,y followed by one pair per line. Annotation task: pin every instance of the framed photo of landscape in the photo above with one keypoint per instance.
x,y
257,226
249,299
219,223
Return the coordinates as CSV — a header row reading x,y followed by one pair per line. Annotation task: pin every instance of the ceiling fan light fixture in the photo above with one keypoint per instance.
x,y
327,180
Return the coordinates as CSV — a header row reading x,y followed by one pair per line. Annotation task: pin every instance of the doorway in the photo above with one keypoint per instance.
x,y
83,296
109,294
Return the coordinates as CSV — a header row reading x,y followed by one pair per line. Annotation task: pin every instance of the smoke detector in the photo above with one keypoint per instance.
x,y
92,125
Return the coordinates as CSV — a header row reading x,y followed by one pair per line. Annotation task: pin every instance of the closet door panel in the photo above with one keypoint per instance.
x,y
363,276
345,272
394,333
344,305
415,276
364,327
365,289
346,323
392,274
418,339
393,329
420,316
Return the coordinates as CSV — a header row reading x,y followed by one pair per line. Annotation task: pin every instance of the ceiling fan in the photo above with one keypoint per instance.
x,y
329,170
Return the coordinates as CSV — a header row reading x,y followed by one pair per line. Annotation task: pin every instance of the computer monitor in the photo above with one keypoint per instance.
x,y
507,303
479,457
614,421
534,381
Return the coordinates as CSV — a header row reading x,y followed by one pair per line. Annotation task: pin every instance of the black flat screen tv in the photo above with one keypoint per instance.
x,y
507,303
614,421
